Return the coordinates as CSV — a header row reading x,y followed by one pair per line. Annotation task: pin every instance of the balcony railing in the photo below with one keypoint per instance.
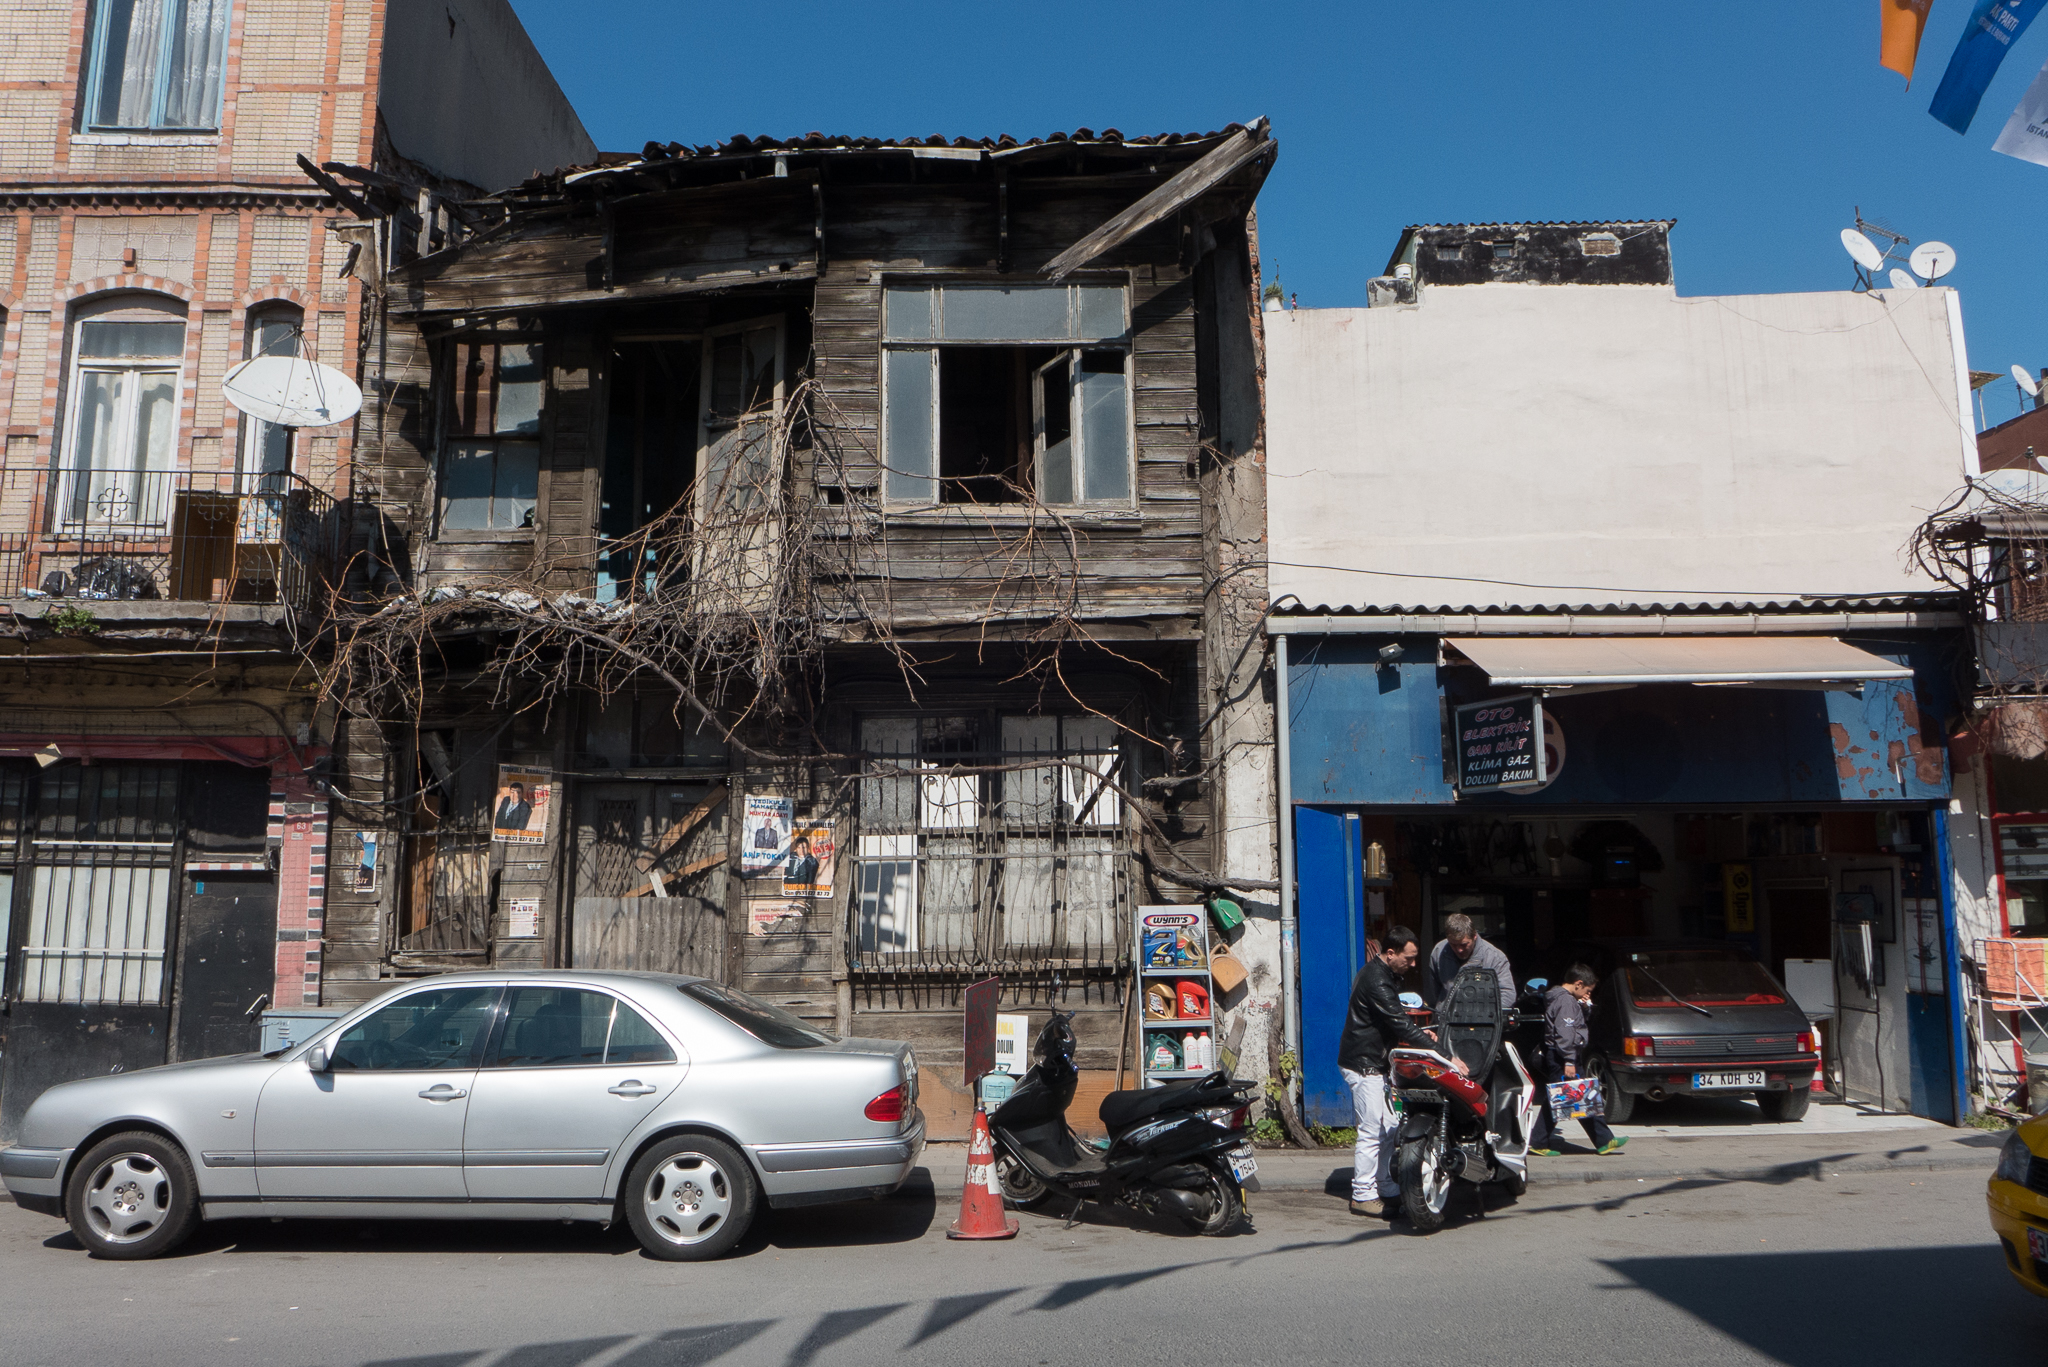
x,y
172,535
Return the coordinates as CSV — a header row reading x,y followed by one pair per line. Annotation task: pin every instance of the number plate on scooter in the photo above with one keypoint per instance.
x,y
1242,1164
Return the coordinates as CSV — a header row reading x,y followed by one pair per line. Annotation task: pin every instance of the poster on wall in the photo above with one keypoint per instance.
x,y
519,813
522,918
808,870
364,877
776,916
1926,970
764,838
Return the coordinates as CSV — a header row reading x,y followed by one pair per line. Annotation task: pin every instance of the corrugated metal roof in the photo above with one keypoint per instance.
x,y
1892,603
1561,661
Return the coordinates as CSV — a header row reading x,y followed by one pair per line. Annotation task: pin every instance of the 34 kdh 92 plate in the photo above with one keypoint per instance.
x,y
1749,1079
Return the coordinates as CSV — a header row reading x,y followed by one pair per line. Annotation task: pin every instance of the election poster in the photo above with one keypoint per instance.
x,y
519,814
812,853
764,838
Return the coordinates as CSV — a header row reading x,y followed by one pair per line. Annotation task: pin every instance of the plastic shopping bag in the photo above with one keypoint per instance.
x,y
1576,1099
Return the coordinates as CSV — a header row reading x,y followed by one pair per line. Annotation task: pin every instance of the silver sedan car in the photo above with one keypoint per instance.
x,y
677,1102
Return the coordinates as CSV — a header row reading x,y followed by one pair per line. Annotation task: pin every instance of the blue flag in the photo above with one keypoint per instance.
x,y
1994,24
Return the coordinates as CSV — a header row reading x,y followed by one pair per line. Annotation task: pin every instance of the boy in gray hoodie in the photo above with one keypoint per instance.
x,y
1565,1036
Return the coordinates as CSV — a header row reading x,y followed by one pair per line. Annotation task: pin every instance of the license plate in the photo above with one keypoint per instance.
x,y
1242,1164
2037,1244
1705,1082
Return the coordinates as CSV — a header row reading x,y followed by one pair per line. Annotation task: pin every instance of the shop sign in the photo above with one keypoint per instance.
x,y
1499,745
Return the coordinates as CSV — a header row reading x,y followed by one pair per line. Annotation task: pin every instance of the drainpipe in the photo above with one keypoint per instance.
x,y
1290,997
1952,965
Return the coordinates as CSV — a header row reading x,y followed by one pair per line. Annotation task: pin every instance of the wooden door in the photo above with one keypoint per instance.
x,y
649,890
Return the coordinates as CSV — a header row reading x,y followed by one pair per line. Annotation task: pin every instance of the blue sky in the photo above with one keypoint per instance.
x,y
1756,125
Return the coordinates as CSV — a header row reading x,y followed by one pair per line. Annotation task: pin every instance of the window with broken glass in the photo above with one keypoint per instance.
x,y
1024,861
1006,394
490,457
445,899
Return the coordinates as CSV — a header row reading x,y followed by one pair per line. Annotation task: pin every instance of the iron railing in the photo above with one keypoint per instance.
x,y
176,535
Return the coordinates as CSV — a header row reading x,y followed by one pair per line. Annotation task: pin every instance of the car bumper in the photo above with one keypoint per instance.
x,y
2014,1210
1638,1076
35,1177
842,1170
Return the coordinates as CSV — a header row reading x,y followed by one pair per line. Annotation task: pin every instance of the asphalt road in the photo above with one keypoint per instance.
x,y
1867,1268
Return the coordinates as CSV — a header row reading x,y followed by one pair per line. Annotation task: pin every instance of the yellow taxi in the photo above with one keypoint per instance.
x,y
2018,1196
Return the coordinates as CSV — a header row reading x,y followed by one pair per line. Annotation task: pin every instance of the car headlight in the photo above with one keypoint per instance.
x,y
2014,1160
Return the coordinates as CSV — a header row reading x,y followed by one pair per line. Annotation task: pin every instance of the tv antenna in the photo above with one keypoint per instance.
x,y
1869,256
1932,260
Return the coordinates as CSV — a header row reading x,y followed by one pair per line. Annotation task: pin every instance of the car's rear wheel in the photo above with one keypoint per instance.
x,y
690,1198
1619,1105
132,1196
1782,1108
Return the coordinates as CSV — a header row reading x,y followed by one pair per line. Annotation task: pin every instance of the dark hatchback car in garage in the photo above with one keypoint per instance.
x,y
1696,1017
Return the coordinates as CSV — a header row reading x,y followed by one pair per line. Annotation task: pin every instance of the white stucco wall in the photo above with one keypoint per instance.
x,y
1532,445
465,93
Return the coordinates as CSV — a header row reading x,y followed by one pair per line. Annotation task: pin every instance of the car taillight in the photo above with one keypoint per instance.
x,y
886,1107
1638,1046
1806,1045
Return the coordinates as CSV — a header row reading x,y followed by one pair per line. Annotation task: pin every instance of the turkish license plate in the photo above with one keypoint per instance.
x,y
1242,1164
1752,1078
2037,1244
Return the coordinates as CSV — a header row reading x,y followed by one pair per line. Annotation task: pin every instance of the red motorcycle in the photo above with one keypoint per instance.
x,y
1472,1126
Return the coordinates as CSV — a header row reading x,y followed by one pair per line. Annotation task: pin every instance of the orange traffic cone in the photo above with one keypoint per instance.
x,y
981,1205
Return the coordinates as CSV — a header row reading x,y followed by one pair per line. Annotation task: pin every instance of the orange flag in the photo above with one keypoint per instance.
x,y
1904,22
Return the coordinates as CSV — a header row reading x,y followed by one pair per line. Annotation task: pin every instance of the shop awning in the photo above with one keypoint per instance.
x,y
1565,661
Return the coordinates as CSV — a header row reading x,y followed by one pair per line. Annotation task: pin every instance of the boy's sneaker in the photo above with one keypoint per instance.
x,y
1613,1145
1548,1153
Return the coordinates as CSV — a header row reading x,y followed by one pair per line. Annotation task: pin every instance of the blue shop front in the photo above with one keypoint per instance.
x,y
1785,789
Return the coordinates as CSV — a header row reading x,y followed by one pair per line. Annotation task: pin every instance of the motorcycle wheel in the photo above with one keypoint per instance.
x,y
1425,1186
1021,1187
1226,1208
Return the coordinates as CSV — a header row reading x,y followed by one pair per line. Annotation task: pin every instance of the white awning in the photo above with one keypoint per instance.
x,y
1564,661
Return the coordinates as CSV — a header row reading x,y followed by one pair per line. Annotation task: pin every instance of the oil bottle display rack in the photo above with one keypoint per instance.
x,y
1177,1026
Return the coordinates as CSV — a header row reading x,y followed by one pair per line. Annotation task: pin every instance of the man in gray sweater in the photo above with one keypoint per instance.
x,y
1460,947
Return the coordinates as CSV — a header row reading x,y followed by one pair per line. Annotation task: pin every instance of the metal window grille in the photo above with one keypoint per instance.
x,y
1023,871
98,909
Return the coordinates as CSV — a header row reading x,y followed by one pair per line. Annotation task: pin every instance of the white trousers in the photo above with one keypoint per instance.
x,y
1372,1159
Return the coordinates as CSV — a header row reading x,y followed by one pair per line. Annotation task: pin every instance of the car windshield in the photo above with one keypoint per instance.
x,y
1701,977
769,1024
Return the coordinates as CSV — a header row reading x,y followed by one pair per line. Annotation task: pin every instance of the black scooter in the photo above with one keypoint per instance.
x,y
1176,1150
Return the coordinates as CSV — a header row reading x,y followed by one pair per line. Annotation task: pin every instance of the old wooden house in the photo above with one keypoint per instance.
x,y
828,564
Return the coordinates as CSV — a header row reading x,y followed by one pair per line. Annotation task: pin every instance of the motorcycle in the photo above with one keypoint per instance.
x,y
1472,1126
1178,1150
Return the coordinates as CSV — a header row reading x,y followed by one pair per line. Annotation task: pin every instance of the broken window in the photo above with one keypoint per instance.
x,y
650,451
490,462
155,65
739,499
991,396
961,868
1600,244
445,901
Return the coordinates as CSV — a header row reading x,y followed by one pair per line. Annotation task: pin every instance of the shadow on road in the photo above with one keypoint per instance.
x,y
1851,1309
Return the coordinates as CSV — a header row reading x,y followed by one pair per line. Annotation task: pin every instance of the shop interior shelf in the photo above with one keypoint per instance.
x,y
1160,1022
1183,1072
1189,972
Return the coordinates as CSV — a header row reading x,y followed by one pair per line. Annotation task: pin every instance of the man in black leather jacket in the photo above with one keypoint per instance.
x,y
1375,1024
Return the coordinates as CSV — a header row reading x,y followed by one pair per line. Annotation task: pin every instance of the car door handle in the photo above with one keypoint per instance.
x,y
441,1091
632,1086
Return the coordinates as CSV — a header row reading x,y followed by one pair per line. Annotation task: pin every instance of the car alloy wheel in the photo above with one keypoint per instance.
x,y
128,1197
133,1196
690,1198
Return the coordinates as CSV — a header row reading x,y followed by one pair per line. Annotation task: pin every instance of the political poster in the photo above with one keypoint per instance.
x,y
1993,26
522,918
363,878
2026,132
807,872
776,916
519,813
1901,24
764,838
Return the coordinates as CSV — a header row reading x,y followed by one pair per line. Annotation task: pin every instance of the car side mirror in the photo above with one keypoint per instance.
x,y
316,1058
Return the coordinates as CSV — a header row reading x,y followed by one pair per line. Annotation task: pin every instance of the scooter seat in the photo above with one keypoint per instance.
x,y
1121,1110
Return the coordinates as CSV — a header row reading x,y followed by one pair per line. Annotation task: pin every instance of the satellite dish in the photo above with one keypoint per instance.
x,y
1903,281
1932,260
1862,248
292,391
2026,381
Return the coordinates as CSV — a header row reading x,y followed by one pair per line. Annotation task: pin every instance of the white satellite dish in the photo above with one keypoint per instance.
x,y
2026,381
1862,248
1903,281
292,391
1932,260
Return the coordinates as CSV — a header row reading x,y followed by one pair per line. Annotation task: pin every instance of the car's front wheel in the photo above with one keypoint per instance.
x,y
690,1198
132,1196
